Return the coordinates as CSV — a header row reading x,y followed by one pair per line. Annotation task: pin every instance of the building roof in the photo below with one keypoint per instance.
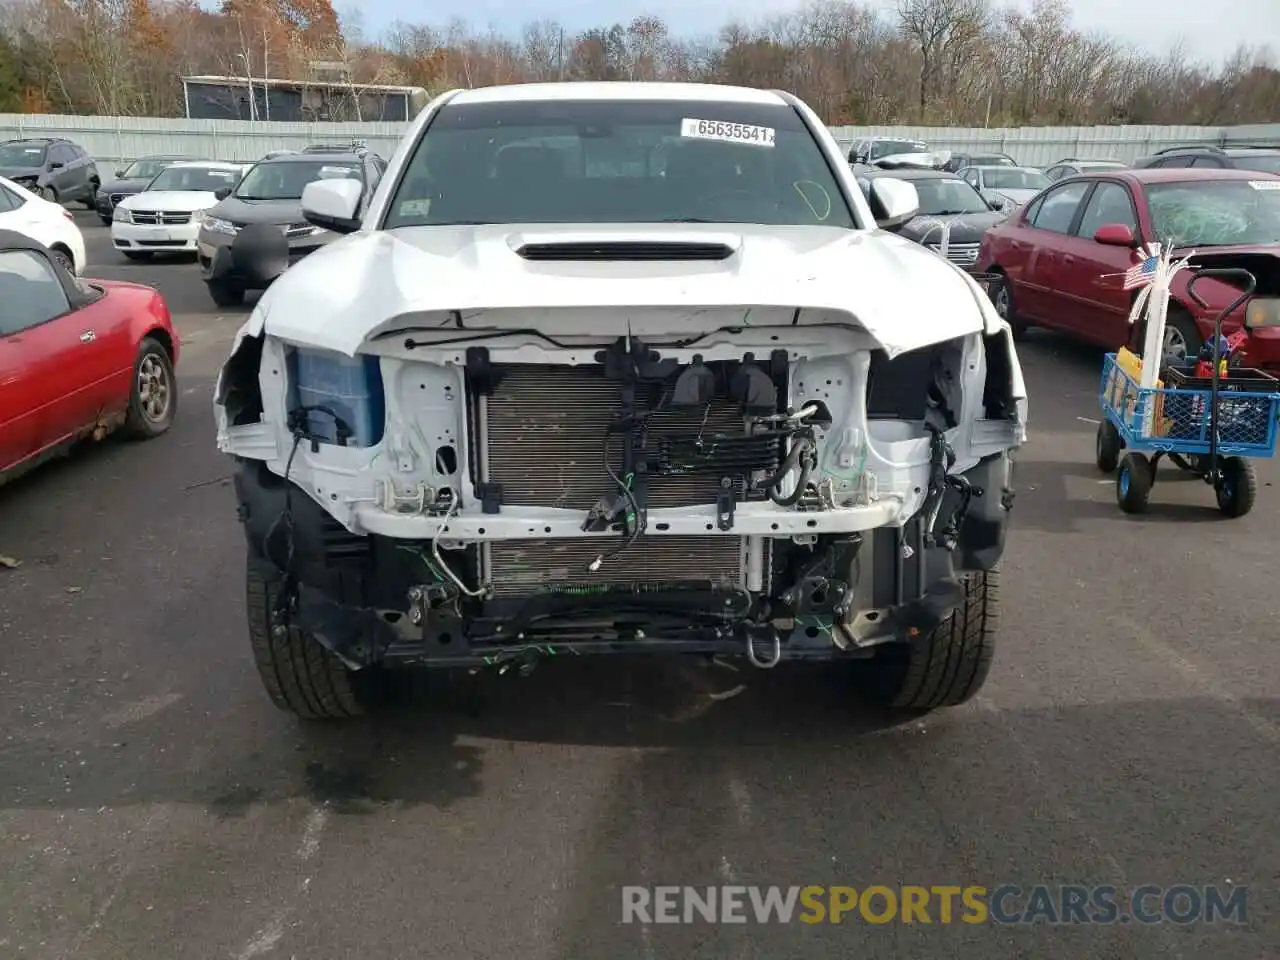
x,y
280,82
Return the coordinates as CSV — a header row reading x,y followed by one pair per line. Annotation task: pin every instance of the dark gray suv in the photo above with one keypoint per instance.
x,y
257,230
53,167
1264,159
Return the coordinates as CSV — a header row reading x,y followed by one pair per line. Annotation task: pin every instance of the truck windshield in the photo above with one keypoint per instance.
x,y
618,161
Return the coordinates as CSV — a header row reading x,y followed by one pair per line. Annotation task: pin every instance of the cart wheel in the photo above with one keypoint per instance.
x,y
1109,446
1133,483
1237,487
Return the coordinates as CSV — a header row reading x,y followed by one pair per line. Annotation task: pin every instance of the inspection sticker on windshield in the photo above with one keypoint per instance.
x,y
727,132
1265,184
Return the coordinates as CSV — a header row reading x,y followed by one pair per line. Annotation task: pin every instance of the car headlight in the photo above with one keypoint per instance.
x,y
1263,312
218,225
122,215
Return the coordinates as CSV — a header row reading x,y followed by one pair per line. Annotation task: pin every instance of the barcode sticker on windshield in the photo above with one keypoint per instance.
x,y
1265,184
727,132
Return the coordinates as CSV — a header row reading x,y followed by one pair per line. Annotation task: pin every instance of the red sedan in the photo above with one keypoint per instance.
x,y
78,358
1063,253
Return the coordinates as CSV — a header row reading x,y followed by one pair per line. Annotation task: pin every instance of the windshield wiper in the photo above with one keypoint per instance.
x,y
242,196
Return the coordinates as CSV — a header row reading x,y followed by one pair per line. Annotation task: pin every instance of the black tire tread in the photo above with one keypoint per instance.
x,y
950,666
1245,477
299,674
1141,480
1016,325
1109,447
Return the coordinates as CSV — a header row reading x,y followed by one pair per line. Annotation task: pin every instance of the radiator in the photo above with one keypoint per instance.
x,y
542,435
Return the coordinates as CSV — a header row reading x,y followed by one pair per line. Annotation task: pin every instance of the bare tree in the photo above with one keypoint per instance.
x,y
946,33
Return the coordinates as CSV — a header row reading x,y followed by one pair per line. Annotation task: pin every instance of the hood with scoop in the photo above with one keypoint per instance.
x,y
365,284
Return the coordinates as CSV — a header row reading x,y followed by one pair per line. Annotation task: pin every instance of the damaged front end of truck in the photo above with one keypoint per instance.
x,y
456,488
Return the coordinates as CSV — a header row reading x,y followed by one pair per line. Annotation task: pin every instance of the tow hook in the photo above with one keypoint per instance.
x,y
773,641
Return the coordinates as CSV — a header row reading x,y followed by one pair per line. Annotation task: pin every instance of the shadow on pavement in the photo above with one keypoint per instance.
x,y
419,751
1124,793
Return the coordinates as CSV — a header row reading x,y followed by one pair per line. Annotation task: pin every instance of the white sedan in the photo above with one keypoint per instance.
x,y
165,217
50,223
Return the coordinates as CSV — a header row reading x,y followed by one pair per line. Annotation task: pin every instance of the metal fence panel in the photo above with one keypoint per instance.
x,y
111,140
1041,146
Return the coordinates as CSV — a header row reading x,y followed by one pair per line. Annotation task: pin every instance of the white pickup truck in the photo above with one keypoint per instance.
x,y
620,367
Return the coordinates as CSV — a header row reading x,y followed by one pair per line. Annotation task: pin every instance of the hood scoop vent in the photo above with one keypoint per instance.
x,y
629,250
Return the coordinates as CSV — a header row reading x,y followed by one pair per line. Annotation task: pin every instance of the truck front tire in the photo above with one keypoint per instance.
x,y
302,676
945,668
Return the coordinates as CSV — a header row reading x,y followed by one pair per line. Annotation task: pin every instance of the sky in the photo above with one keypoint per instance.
x,y
1152,25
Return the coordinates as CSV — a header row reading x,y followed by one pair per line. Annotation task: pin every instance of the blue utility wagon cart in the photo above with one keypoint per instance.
x,y
1212,426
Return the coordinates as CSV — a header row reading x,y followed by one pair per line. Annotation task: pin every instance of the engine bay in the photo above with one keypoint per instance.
x,y
812,497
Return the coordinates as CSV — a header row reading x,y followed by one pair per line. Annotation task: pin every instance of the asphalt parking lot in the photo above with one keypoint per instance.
x,y
153,804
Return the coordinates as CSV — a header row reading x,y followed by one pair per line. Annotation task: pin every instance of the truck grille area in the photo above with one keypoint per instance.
x,y
547,443
547,428
522,567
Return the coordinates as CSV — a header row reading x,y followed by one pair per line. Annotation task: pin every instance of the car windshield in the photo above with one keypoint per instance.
x,y
889,148
145,169
1215,213
193,178
285,179
1265,164
22,154
1014,179
941,196
617,161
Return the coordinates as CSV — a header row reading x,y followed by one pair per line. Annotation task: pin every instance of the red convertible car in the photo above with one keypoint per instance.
x,y
78,358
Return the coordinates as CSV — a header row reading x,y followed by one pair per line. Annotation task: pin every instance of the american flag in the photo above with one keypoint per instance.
x,y
1144,271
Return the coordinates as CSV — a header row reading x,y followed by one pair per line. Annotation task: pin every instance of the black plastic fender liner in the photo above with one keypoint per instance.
x,y
985,526
261,501
914,618
356,635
